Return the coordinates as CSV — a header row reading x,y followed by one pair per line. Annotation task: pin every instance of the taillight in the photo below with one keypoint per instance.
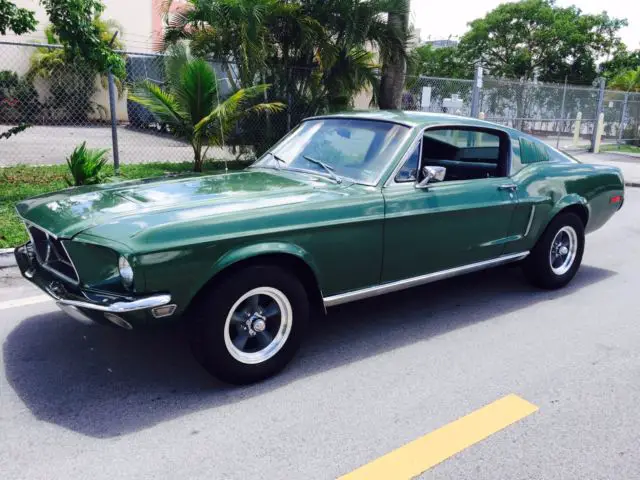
x,y
615,199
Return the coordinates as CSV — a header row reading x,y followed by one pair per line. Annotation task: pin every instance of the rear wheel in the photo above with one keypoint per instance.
x,y
249,326
557,256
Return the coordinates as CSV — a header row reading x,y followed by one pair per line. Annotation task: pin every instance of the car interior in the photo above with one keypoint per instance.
x,y
467,154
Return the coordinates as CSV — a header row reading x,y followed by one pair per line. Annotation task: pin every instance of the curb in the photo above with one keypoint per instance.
x,y
7,259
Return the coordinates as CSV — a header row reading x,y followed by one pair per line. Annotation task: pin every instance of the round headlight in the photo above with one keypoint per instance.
x,y
126,272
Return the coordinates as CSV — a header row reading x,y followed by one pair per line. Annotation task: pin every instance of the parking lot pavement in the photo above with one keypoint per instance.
x,y
629,164
82,402
51,145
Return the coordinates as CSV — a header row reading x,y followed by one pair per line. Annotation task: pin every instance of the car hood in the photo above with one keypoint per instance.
x,y
69,212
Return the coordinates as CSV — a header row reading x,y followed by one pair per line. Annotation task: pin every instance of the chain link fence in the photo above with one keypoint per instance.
x,y
551,112
65,104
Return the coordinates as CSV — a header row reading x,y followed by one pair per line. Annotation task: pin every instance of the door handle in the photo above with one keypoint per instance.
x,y
509,187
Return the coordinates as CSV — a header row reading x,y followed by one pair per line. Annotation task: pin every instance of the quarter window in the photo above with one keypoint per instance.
x,y
409,171
532,151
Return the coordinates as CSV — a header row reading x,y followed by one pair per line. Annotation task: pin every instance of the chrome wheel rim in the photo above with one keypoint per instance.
x,y
258,325
564,248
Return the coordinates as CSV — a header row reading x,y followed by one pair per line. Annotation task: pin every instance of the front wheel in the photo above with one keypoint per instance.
x,y
557,256
249,326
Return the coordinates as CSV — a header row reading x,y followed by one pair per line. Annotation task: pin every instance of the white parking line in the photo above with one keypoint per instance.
x,y
23,302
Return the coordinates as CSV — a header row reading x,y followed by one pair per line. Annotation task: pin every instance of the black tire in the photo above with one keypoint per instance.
x,y
538,266
209,321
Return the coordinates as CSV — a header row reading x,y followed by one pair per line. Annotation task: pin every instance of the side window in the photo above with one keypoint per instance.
x,y
467,153
409,171
532,151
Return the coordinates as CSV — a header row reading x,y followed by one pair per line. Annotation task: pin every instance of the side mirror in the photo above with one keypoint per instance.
x,y
431,175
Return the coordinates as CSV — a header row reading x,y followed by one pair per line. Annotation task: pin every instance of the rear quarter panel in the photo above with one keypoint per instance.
x,y
551,187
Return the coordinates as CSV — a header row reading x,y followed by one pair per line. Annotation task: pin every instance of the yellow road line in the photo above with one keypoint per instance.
x,y
420,455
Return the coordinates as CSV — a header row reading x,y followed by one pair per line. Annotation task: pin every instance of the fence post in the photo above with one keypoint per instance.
x,y
576,130
114,124
564,96
624,118
475,93
599,110
599,131
114,116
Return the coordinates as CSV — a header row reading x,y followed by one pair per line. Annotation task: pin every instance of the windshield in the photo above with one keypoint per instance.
x,y
354,149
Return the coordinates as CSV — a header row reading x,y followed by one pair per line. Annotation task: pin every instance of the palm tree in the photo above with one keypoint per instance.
x,y
394,56
247,33
316,52
629,81
191,106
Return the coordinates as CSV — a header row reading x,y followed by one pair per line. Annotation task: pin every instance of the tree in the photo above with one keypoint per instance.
x,y
447,62
300,45
621,61
244,32
191,106
316,54
394,58
628,81
17,20
72,79
73,23
537,38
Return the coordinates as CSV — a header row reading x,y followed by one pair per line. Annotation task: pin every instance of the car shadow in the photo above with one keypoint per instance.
x,y
105,382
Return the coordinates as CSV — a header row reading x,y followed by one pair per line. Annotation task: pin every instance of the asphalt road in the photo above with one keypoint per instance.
x,y
80,402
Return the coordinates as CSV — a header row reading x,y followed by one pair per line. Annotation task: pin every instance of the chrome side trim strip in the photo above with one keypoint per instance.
x,y
421,280
528,229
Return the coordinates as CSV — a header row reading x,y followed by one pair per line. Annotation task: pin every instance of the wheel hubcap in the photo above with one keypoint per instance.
x,y
258,325
564,248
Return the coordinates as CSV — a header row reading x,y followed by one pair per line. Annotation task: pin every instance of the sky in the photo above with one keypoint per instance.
x,y
439,19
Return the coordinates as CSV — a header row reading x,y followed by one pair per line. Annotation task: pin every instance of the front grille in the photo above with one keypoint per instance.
x,y
51,254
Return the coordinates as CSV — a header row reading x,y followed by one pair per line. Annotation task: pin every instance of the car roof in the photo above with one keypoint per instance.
x,y
416,119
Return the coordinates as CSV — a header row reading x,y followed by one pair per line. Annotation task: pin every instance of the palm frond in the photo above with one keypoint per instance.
x,y
271,107
233,104
178,55
197,89
162,104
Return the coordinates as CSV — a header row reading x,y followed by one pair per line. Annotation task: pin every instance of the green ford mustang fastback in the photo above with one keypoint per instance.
x,y
344,207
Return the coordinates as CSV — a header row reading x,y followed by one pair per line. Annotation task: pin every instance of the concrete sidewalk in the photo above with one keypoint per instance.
x,y
629,164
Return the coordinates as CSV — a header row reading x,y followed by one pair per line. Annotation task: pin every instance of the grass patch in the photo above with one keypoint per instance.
x,y
20,182
620,148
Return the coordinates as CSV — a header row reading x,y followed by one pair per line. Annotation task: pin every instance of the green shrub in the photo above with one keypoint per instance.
x,y
85,166
18,99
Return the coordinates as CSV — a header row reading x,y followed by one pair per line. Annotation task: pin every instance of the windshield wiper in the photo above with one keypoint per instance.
x,y
328,168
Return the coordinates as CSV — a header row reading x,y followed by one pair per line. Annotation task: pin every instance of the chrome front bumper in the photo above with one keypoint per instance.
x,y
85,304
146,303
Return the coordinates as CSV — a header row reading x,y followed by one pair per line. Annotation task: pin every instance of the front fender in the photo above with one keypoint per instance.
x,y
247,252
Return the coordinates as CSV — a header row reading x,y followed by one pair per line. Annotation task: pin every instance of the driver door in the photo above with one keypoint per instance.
x,y
446,225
